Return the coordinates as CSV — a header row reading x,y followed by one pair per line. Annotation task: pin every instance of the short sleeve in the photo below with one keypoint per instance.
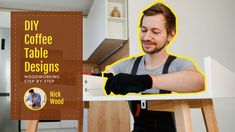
x,y
124,66
27,98
39,98
182,63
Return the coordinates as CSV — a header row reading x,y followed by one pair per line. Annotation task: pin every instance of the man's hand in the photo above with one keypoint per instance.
x,y
126,83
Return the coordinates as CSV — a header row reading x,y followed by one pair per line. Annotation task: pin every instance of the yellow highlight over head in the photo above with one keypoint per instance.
x,y
142,53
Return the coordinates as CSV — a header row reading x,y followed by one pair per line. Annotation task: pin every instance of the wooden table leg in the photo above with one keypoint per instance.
x,y
80,126
208,112
182,116
32,126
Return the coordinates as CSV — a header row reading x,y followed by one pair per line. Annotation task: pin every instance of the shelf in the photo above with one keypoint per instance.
x,y
105,39
117,26
117,29
116,19
120,4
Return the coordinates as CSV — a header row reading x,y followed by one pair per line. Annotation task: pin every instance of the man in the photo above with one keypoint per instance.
x,y
34,98
154,72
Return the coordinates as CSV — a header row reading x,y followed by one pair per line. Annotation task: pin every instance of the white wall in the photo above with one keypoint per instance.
x,y
5,19
85,39
206,28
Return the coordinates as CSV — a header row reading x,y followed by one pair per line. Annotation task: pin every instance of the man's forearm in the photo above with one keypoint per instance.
x,y
183,81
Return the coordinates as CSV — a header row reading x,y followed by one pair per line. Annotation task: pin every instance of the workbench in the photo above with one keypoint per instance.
x,y
219,84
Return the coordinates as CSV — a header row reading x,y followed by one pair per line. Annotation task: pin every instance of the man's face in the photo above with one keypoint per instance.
x,y
153,34
32,94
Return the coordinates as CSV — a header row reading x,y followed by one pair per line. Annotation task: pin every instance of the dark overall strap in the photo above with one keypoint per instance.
x,y
165,70
135,105
144,118
136,65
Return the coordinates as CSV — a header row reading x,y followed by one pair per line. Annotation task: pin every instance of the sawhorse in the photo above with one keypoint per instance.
x,y
181,109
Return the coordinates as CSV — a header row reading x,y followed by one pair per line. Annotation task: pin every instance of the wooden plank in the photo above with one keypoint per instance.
x,y
32,126
194,103
182,116
108,117
167,105
161,105
209,115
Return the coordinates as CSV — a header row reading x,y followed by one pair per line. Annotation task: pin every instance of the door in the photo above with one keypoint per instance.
x,y
5,60
6,124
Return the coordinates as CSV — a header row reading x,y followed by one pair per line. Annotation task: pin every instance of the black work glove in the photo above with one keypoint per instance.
x,y
126,83
108,75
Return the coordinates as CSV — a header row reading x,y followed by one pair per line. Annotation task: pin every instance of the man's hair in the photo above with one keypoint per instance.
x,y
160,8
31,91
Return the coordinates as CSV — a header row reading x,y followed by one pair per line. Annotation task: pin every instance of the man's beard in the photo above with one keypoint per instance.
x,y
155,50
